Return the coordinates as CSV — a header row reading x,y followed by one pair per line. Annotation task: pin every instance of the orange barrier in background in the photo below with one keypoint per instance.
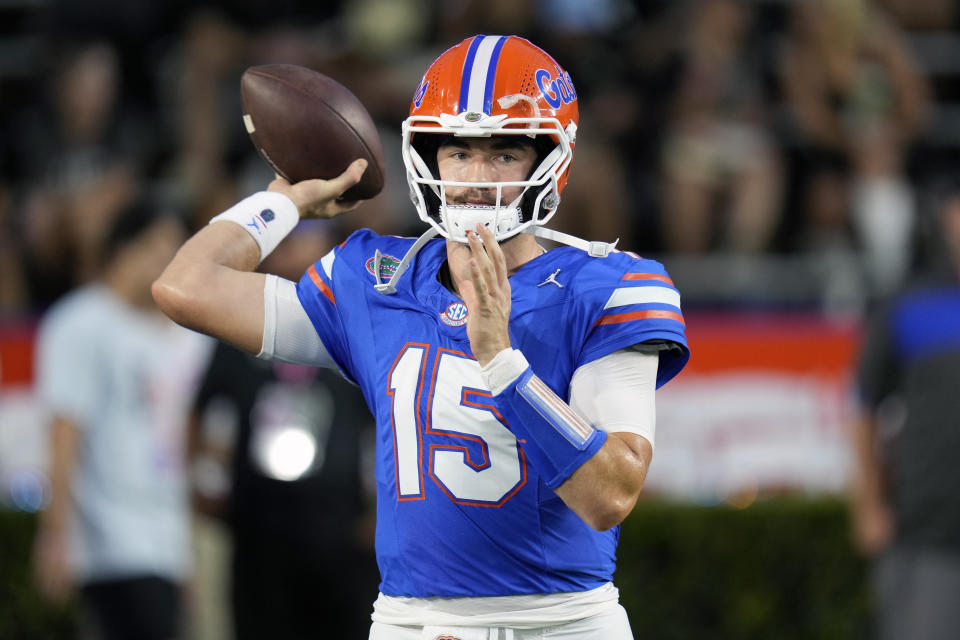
x,y
16,353
777,341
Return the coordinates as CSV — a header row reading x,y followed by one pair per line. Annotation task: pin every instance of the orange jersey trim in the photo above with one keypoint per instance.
x,y
647,276
317,280
640,315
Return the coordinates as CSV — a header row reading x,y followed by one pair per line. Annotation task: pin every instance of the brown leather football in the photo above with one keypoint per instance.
x,y
308,125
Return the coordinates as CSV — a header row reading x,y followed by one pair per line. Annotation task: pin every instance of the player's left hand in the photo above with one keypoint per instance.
x,y
486,291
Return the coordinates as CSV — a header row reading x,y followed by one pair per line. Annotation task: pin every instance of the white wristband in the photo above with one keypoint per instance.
x,y
266,215
503,369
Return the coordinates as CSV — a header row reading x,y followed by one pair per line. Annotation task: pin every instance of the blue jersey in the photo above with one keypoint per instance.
x,y
460,511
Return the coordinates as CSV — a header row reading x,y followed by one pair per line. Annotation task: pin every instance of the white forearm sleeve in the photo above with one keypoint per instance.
x,y
616,392
612,393
288,333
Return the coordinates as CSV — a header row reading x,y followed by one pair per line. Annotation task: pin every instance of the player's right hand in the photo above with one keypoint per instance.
x,y
873,527
51,569
321,198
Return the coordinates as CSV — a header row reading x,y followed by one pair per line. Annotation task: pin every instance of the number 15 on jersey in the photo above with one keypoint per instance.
x,y
446,427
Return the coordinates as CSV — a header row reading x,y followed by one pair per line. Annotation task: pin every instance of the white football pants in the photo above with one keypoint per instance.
x,y
612,625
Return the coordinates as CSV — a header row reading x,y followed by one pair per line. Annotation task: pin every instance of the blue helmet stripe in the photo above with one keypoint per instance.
x,y
491,73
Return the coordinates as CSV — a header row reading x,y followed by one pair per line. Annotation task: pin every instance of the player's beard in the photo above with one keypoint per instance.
x,y
480,197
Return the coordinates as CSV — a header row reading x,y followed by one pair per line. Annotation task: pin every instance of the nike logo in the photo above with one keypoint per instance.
x,y
552,279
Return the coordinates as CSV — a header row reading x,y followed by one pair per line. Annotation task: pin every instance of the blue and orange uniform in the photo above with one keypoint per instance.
x,y
461,511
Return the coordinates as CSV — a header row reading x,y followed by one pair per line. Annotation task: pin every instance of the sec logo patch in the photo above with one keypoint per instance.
x,y
455,315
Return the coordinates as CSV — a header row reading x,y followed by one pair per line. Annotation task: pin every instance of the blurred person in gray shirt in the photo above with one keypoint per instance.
x,y
116,378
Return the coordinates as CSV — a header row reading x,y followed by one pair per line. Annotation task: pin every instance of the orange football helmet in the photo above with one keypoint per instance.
x,y
491,86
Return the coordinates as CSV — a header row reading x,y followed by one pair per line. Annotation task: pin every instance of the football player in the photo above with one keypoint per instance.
x,y
513,387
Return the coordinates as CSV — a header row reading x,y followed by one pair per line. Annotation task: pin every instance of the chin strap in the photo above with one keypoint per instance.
x,y
595,249
389,287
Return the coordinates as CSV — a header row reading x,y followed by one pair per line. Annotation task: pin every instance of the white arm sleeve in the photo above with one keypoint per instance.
x,y
616,392
288,333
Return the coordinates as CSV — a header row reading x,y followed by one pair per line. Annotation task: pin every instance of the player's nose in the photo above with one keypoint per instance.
x,y
478,169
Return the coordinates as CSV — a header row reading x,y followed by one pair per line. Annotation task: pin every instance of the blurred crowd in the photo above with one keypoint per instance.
x,y
745,131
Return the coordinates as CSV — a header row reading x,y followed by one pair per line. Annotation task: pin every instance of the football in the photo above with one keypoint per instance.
x,y
307,125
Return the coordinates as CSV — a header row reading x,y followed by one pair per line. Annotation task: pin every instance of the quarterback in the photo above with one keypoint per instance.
x,y
513,387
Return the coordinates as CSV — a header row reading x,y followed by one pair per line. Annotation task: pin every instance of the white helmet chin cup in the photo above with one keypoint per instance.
x,y
458,219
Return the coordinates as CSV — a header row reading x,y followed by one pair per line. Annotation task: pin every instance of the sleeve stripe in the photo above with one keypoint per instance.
x,y
317,280
647,276
327,263
640,315
556,411
576,423
643,295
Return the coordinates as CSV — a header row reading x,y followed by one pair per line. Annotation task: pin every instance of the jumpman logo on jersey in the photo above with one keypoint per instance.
x,y
552,279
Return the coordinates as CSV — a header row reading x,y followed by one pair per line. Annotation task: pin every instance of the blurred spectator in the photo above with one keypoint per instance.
x,y
81,153
277,452
115,378
210,59
13,287
722,173
906,507
387,29
597,202
82,128
923,14
139,30
857,99
459,19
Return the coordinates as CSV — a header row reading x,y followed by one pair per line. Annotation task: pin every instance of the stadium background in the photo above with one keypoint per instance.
x,y
685,106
